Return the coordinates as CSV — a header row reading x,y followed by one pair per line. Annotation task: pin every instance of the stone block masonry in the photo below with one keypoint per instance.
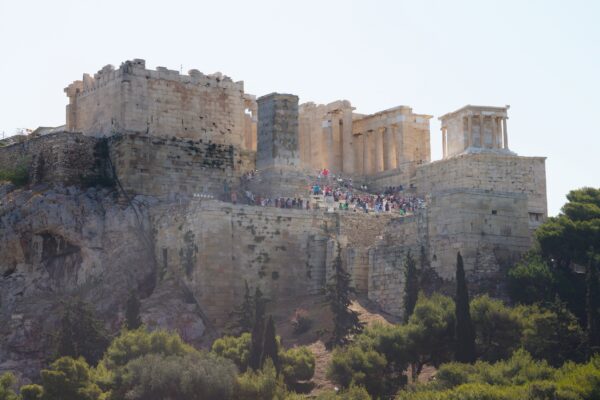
x,y
176,168
214,248
278,132
159,103
490,172
59,158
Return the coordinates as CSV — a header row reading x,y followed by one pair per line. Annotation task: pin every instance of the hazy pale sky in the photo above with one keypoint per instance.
x,y
541,57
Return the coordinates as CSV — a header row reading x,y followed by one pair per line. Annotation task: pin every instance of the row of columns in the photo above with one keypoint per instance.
x,y
499,133
380,149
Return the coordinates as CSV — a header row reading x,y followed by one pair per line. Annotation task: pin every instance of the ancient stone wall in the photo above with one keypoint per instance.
x,y
63,157
176,168
215,248
386,259
159,103
491,172
490,229
477,222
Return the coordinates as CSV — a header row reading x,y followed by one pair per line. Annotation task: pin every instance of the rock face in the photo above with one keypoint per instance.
x,y
57,243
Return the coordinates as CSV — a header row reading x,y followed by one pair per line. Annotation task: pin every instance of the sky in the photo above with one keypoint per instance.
x,y
540,57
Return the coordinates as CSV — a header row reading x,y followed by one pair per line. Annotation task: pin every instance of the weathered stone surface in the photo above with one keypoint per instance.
x,y
160,103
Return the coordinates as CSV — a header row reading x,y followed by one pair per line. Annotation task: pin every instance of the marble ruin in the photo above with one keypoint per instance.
x,y
191,142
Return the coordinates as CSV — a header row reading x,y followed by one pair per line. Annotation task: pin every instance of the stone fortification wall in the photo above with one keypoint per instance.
x,y
177,168
63,157
214,248
160,103
492,172
490,229
478,223
386,259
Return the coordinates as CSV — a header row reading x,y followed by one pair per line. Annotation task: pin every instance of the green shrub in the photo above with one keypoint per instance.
x,y
71,379
18,176
7,380
130,345
260,385
195,376
298,364
236,349
31,392
360,366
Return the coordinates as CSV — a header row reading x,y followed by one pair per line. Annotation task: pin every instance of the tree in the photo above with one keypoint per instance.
x,y
593,305
243,315
359,365
411,286
130,345
567,238
345,320
193,376
497,329
465,333
551,333
430,332
69,378
565,242
132,311
81,334
7,380
262,384
297,364
532,280
236,349
31,392
270,348
258,331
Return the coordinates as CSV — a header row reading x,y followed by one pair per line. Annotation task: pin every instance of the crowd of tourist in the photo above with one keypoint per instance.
x,y
336,193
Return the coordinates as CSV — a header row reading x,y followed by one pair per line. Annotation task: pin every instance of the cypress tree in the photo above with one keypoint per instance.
x,y
132,311
411,286
270,347
244,314
465,332
258,331
592,305
345,320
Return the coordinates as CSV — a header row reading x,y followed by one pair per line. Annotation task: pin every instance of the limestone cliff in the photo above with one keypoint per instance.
x,y
62,242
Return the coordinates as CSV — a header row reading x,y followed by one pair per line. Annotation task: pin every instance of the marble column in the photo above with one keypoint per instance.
x,y
378,150
359,152
494,133
347,143
469,131
399,139
335,164
368,153
444,152
328,144
481,130
389,150
504,130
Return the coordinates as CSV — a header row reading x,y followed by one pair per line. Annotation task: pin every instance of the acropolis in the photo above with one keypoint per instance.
x,y
210,187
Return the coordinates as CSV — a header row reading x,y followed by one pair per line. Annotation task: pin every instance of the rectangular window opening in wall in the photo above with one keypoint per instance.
x,y
494,212
536,217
